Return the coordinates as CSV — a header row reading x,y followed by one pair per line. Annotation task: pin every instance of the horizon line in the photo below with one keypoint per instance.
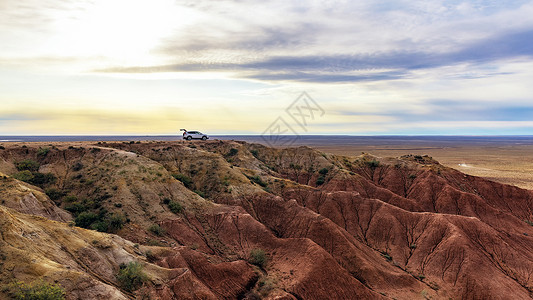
x,y
260,135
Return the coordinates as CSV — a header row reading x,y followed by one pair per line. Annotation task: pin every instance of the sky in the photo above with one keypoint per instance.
x,y
111,67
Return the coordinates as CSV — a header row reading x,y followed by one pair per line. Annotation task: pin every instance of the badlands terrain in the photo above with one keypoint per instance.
x,y
236,220
504,159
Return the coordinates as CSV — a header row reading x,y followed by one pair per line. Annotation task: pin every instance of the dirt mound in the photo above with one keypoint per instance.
x,y
81,261
29,199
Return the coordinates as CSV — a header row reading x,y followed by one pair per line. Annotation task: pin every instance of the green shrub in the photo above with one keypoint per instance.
x,y
320,180
372,164
233,152
76,208
25,176
323,171
255,153
35,177
131,276
89,214
265,286
258,180
42,178
86,219
42,152
175,207
27,164
70,198
156,229
110,223
295,166
37,290
54,194
101,226
200,193
77,166
186,180
258,257
116,222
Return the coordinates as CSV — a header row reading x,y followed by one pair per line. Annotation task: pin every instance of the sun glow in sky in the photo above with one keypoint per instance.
x,y
232,67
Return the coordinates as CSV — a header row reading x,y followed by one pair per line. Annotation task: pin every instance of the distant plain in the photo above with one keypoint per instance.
x,y
506,160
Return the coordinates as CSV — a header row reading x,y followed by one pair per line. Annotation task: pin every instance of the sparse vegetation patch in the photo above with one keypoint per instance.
x,y
37,290
320,180
89,215
54,194
258,257
255,153
27,164
156,229
372,164
258,180
36,178
131,276
200,193
175,207
42,152
233,152
186,180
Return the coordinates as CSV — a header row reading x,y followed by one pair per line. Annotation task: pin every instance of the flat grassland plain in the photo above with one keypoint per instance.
x,y
504,159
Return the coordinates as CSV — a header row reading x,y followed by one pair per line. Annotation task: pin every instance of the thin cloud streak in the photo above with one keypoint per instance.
x,y
312,68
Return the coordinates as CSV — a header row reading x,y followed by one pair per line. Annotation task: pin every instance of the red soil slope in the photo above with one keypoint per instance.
x,y
331,227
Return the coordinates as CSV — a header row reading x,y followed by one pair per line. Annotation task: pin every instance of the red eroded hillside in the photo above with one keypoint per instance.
x,y
231,220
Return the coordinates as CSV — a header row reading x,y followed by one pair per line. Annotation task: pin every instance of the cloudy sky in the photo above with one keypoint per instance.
x,y
233,67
